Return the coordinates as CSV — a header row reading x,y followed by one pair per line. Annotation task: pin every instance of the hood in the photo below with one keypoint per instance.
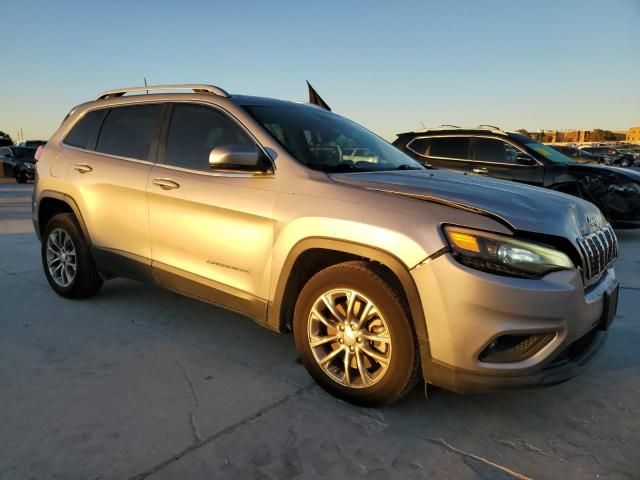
x,y
522,207
613,172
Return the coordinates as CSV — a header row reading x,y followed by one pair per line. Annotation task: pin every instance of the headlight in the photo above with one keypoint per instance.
x,y
504,255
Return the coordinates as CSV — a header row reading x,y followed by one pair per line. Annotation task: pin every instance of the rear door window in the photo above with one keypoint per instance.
x,y
449,147
83,134
129,131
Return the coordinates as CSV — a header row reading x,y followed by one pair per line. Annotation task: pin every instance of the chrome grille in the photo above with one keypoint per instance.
x,y
598,250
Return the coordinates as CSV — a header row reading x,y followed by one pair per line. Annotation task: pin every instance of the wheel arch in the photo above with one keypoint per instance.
x,y
311,255
52,203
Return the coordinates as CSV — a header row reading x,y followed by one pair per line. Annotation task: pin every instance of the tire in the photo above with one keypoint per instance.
x,y
21,178
369,382
625,162
85,280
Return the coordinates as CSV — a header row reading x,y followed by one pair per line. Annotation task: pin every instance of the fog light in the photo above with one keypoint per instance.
x,y
514,348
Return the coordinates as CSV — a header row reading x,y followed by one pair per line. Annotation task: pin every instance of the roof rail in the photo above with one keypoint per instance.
x,y
492,127
197,88
446,127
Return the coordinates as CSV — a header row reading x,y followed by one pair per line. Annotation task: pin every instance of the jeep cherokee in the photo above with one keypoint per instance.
x,y
384,271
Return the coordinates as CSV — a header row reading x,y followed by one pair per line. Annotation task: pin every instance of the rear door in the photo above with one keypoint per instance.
x,y
211,231
448,152
497,158
111,153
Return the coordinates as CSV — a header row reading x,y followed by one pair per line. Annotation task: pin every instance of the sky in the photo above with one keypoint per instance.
x,y
391,66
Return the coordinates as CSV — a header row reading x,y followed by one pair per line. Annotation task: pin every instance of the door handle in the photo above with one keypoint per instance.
x,y
480,170
82,167
166,183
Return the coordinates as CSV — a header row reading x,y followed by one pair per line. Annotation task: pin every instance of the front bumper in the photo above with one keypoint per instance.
x,y
466,310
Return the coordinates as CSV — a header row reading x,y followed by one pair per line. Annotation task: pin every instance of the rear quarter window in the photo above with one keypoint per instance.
x,y
419,145
84,132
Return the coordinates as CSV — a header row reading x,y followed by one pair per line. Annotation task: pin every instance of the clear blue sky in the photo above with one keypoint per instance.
x,y
387,65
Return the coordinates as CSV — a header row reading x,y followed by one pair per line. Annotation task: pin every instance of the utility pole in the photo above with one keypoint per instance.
x,y
145,84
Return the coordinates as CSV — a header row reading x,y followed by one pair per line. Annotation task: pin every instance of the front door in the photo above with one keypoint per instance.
x,y
211,232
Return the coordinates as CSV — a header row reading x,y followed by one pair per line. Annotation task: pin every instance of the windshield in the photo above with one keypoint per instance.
x,y
327,142
549,153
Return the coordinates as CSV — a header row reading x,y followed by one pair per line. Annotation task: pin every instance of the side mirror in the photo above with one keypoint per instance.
x,y
238,158
523,159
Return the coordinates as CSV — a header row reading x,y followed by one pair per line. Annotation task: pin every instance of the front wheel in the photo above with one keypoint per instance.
x,y
21,178
66,259
354,334
625,162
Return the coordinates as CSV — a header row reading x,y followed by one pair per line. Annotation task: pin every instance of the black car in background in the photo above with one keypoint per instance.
x,y
18,162
633,153
617,157
513,156
31,143
581,156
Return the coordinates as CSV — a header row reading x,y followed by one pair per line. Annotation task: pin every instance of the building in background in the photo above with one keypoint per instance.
x,y
633,135
586,136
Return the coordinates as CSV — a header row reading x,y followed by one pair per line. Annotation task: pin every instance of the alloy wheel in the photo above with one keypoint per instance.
x,y
61,257
349,338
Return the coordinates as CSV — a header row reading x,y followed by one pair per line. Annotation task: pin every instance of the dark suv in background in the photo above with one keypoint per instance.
x,y
581,156
18,162
617,157
492,152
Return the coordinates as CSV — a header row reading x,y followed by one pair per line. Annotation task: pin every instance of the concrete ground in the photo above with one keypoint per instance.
x,y
142,383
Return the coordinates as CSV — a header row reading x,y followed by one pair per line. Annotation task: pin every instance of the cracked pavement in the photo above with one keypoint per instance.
x,y
141,383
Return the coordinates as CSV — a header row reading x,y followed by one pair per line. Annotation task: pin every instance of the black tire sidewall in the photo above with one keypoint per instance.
x,y
398,375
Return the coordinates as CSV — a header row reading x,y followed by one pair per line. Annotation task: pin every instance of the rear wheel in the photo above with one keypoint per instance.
x,y
625,162
354,335
66,259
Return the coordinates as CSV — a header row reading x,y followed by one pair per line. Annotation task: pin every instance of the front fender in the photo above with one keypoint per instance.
x,y
392,262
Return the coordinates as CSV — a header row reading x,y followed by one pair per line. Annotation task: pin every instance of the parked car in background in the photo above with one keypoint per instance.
x,y
633,153
18,162
617,157
384,271
359,155
491,152
30,143
581,156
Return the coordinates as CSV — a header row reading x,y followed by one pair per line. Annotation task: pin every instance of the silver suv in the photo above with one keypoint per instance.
x,y
383,270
